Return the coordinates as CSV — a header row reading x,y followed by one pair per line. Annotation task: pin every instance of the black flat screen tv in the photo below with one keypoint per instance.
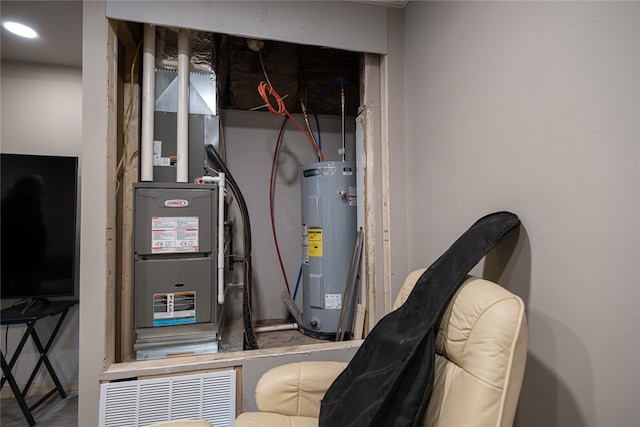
x,y
39,226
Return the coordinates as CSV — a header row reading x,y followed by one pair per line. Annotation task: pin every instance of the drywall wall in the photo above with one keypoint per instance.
x,y
533,107
41,114
93,266
393,131
341,25
41,109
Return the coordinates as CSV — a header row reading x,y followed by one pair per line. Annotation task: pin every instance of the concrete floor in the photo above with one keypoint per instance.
x,y
54,412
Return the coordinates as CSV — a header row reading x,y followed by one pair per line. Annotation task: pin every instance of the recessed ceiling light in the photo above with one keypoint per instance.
x,y
20,29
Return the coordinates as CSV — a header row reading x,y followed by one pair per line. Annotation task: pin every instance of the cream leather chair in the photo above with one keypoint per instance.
x,y
481,350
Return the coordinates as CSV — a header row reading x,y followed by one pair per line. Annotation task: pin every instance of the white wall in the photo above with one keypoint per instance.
x,y
41,114
93,265
393,75
41,109
534,107
341,24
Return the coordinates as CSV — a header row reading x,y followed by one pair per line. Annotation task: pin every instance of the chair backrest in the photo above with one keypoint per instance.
x,y
481,350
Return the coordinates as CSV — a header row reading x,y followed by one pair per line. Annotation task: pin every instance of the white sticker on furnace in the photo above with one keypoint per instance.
x,y
174,234
332,301
353,196
157,153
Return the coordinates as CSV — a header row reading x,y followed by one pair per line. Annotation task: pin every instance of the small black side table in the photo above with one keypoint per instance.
x,y
14,316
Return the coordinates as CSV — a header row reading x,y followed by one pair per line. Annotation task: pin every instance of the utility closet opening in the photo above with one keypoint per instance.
x,y
239,193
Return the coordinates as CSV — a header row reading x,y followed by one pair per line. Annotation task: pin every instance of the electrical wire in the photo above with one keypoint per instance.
x,y
295,291
272,183
266,90
274,163
249,334
315,116
223,142
127,118
313,104
306,122
328,88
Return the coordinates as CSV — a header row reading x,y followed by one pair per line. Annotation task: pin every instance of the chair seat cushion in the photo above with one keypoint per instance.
x,y
260,419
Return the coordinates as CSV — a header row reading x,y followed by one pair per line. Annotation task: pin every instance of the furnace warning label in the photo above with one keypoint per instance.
x,y
174,308
332,301
314,237
174,234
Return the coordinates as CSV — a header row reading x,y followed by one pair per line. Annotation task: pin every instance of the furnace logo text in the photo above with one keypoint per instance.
x,y
176,203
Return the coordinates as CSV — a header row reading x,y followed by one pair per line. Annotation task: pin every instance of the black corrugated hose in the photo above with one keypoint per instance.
x,y
250,341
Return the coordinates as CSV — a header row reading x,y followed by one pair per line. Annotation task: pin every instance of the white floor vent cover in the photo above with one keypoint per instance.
x,y
210,397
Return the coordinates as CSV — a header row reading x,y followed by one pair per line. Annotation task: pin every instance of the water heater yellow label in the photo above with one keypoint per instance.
x,y
315,242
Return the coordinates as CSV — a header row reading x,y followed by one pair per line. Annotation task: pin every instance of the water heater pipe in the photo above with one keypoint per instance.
x,y
221,188
182,144
276,328
148,100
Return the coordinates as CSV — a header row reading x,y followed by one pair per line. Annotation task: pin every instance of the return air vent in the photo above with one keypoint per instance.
x,y
210,397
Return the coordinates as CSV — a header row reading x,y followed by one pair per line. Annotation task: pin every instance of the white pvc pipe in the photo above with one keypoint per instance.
x,y
182,165
148,100
273,328
221,186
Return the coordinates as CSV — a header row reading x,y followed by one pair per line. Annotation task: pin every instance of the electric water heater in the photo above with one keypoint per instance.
x,y
329,207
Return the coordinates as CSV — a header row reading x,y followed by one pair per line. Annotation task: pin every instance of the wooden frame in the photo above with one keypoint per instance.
x,y
123,86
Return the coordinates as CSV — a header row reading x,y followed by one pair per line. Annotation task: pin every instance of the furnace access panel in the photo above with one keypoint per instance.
x,y
174,255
